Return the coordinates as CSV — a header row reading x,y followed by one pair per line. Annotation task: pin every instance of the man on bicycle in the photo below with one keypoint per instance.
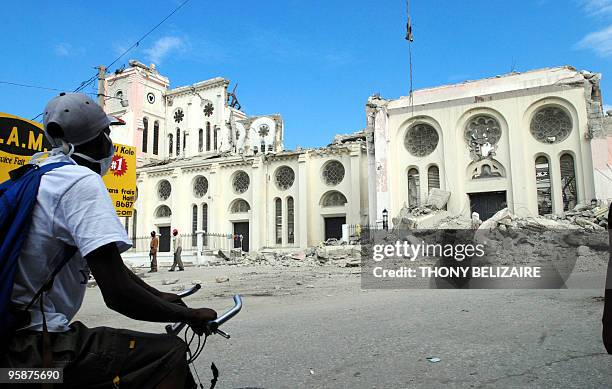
x,y
73,210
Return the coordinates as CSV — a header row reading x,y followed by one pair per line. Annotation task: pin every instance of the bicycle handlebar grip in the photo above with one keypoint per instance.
x,y
231,313
189,291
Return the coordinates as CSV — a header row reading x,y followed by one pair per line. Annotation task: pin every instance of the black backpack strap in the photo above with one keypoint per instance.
x,y
70,251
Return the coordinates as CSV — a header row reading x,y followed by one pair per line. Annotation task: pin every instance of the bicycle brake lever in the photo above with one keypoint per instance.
x,y
224,334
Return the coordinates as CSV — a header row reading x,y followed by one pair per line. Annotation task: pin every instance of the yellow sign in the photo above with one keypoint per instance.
x,y
19,140
121,180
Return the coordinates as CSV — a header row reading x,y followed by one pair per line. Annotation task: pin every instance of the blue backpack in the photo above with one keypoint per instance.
x,y
17,200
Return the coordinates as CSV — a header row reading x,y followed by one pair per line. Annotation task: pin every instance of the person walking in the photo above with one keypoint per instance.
x,y
153,252
177,251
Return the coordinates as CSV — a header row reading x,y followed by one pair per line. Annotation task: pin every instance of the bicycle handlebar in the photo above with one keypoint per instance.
x,y
213,325
189,291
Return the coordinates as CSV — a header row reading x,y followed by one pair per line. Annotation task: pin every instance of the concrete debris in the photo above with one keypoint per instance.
x,y
178,288
476,222
195,282
312,256
581,217
222,255
170,282
333,242
423,216
220,280
437,199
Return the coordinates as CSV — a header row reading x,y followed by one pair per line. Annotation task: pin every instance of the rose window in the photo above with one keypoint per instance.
x,y
421,140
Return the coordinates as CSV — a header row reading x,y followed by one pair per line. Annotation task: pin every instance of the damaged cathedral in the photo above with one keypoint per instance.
x,y
536,142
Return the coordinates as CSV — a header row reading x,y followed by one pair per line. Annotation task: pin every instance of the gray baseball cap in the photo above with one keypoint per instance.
x,y
75,118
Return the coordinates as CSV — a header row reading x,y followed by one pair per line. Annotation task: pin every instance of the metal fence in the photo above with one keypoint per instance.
x,y
189,242
363,232
218,241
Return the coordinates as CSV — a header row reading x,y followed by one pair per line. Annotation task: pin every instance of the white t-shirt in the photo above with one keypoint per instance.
x,y
72,207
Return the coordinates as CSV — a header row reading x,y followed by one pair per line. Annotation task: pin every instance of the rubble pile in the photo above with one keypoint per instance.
x,y
335,253
590,218
413,217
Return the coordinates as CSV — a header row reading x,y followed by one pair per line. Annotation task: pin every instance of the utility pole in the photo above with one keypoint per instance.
x,y
101,86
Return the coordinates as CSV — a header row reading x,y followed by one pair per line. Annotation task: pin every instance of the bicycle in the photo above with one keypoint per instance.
x,y
212,327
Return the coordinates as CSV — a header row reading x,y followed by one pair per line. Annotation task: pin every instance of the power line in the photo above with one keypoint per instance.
x,y
85,83
28,86
90,80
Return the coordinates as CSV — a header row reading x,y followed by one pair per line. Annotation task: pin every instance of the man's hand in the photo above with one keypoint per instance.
x,y
172,298
199,318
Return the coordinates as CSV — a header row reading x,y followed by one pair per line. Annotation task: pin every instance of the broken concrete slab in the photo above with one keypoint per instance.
x,y
437,198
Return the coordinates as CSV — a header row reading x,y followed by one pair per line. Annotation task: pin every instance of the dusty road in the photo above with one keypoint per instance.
x,y
313,327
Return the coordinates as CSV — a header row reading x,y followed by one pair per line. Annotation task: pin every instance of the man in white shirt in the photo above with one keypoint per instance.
x,y
73,210
178,249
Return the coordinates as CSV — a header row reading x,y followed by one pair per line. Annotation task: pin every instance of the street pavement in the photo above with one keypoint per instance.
x,y
331,334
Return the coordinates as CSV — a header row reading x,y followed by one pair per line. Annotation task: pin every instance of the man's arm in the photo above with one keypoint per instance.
x,y
123,294
170,297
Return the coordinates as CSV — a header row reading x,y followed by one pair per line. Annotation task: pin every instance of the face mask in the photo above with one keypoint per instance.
x,y
104,162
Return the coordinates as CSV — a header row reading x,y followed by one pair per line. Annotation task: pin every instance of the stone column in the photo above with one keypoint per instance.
x,y
371,172
381,147
354,209
215,200
258,205
301,203
200,247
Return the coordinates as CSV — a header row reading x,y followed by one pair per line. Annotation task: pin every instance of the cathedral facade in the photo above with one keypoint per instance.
x,y
205,167
536,142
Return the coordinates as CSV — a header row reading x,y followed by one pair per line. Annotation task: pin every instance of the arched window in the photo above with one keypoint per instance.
x,y
145,133
178,141
333,199
200,140
215,131
156,137
240,206
170,145
194,225
568,182
543,185
205,222
278,220
290,221
207,136
433,178
414,188
163,211
184,141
